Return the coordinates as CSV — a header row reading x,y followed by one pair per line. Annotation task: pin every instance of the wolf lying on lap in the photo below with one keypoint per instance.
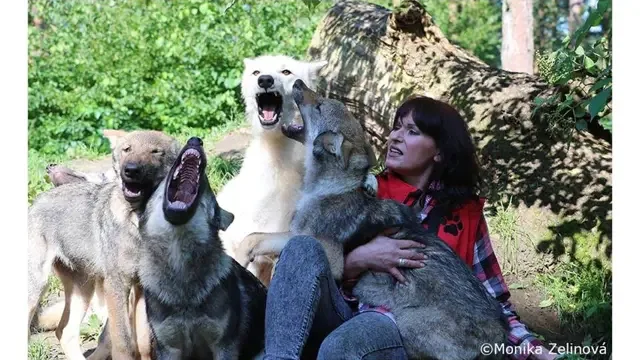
x,y
444,312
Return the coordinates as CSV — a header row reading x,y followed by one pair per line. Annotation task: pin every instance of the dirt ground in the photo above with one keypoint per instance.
x,y
525,294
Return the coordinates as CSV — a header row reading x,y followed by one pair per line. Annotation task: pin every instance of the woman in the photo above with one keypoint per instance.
x,y
430,160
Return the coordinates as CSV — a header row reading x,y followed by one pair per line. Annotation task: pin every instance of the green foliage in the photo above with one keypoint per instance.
x,y
220,171
37,174
151,64
547,14
506,224
586,67
581,294
39,349
90,330
475,26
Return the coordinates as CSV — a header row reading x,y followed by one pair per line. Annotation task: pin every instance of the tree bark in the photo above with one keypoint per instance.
x,y
377,58
517,36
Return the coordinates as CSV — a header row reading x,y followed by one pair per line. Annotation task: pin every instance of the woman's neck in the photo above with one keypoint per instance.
x,y
419,181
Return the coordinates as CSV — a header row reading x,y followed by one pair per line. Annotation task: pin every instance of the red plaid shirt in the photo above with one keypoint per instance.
x,y
467,233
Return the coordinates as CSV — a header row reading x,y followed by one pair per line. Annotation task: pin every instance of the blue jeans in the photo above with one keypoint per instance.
x,y
307,317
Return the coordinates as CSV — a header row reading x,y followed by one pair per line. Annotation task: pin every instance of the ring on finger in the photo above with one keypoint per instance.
x,y
402,262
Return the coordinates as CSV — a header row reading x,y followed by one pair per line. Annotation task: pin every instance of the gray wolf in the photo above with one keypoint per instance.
x,y
88,234
201,304
444,312
262,196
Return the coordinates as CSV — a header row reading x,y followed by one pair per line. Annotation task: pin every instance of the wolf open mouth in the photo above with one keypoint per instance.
x,y
269,107
133,190
183,183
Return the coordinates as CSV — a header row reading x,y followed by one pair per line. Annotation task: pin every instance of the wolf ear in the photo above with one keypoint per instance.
x,y
114,136
335,144
226,218
314,67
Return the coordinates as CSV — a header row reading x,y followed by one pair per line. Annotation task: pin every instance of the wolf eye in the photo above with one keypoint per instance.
x,y
286,72
255,73
157,151
126,148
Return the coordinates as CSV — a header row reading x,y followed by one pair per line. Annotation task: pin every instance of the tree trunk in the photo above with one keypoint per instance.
x,y
378,58
517,36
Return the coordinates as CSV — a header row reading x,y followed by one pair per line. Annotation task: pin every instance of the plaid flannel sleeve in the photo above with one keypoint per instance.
x,y
487,269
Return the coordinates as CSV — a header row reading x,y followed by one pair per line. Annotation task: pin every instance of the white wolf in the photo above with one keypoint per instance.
x,y
263,195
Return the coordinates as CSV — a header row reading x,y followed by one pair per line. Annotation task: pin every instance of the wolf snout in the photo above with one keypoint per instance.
x,y
301,93
132,170
265,81
194,141
299,85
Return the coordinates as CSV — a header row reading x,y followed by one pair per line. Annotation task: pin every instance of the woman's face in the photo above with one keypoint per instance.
x,y
410,152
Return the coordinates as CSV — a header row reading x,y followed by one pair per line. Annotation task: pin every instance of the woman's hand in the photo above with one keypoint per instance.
x,y
383,254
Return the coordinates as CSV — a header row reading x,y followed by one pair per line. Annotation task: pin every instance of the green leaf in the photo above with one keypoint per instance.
x,y
588,63
598,102
579,50
606,122
600,83
539,100
594,18
311,4
579,111
581,125
546,303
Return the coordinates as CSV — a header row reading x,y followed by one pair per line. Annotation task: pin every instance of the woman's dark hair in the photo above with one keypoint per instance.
x,y
458,171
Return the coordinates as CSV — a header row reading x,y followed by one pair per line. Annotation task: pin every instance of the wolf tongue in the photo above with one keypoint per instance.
x,y
268,112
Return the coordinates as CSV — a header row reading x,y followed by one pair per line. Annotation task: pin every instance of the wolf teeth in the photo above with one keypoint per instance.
x,y
187,152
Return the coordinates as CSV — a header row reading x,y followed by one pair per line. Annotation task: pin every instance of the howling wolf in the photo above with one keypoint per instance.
x,y
264,193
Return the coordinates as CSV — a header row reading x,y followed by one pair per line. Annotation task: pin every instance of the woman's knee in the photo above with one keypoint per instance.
x,y
367,336
302,247
304,252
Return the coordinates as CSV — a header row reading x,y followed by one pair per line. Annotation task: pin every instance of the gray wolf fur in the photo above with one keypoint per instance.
x,y
262,196
444,312
88,233
201,304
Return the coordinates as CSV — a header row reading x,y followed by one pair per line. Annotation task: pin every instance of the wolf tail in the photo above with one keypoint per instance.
x,y
48,319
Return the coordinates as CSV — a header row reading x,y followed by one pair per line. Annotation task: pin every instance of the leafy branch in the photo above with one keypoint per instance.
x,y
586,70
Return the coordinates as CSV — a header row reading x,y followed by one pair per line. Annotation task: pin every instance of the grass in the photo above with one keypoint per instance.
x,y
581,295
90,330
220,171
39,349
505,223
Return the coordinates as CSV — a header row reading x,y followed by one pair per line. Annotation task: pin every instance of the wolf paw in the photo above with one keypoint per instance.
x,y
370,185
